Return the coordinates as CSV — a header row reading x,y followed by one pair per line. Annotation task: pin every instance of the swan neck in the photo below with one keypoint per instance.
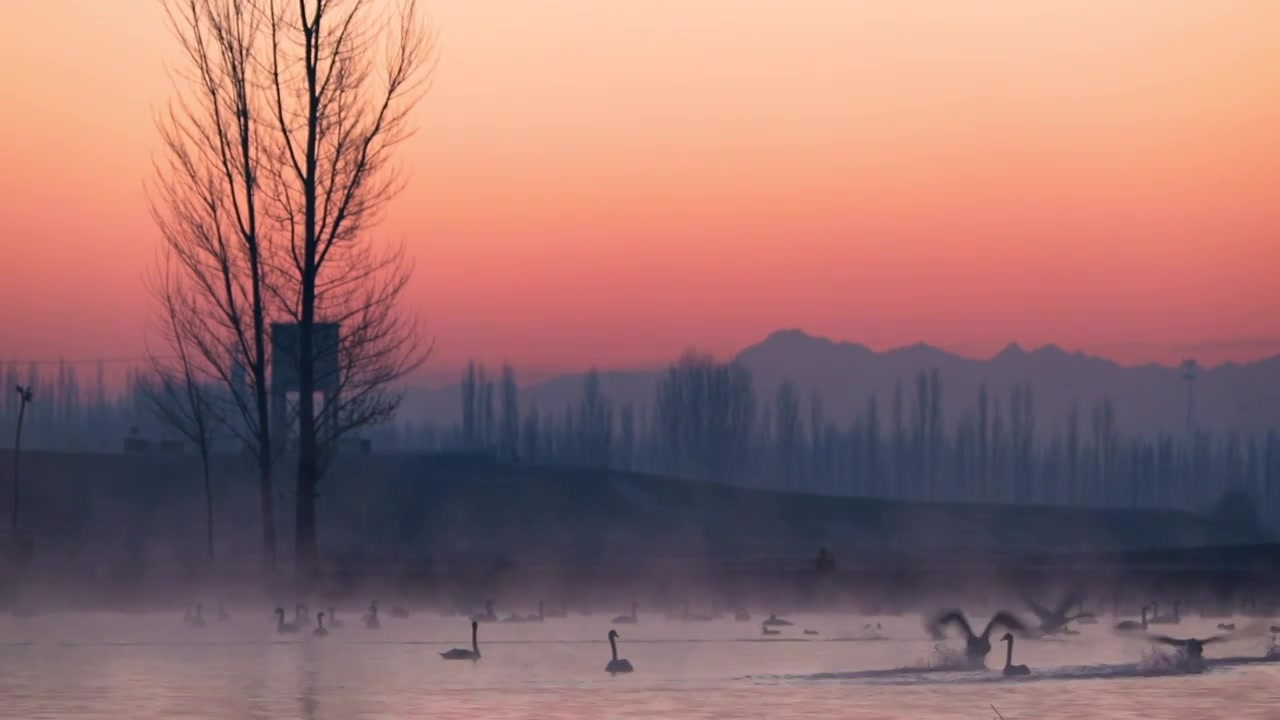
x,y
1008,657
613,645
475,643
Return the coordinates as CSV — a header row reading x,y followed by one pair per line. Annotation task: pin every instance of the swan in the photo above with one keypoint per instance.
x,y
1226,626
627,619
371,618
223,615
1134,624
977,646
283,627
460,654
775,621
1158,619
1009,667
617,665
1192,649
810,632
764,630
1054,622
194,618
320,631
334,622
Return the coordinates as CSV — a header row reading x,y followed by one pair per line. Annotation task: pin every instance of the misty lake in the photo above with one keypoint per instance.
x,y
79,665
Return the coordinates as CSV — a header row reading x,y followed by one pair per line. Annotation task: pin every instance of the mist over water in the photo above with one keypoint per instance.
x,y
109,665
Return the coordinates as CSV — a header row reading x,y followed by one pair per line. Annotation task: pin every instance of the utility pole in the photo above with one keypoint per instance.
x,y
24,398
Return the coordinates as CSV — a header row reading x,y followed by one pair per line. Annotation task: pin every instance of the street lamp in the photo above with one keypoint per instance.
x,y
24,398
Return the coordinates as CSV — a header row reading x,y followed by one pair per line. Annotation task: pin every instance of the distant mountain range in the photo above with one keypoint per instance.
x,y
1147,398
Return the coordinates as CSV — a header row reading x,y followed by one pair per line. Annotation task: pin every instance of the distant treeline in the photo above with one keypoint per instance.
x,y
708,421
68,414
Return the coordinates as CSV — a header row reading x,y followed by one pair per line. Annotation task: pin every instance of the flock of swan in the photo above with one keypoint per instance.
x,y
1052,622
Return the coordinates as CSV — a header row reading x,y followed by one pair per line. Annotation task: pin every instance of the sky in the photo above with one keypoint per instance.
x,y
608,183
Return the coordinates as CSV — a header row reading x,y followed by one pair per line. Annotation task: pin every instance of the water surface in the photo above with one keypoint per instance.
x,y
79,665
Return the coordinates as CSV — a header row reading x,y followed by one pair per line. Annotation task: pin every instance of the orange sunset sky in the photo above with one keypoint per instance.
x,y
608,182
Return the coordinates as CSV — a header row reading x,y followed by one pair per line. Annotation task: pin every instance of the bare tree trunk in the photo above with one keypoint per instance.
x,y
337,120
208,505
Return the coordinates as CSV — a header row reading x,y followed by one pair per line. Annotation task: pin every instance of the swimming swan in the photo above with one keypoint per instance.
x,y
977,646
1009,668
617,665
320,631
460,654
1134,624
283,627
627,619
775,621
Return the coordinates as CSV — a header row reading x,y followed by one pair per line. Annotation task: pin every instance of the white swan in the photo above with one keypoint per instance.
x,y
461,654
627,619
371,618
1009,667
283,627
617,665
320,631
977,646
1134,624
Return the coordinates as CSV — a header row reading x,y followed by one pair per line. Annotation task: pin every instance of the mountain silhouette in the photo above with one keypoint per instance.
x,y
1147,398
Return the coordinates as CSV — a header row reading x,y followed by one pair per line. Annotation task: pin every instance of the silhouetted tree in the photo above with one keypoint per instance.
x,y
470,404
210,207
510,438
873,446
625,455
532,435
706,412
317,94
786,406
595,423
178,389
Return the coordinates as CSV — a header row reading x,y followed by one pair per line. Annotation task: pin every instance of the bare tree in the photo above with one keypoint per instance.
x,y
208,205
510,430
179,389
342,77
278,163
